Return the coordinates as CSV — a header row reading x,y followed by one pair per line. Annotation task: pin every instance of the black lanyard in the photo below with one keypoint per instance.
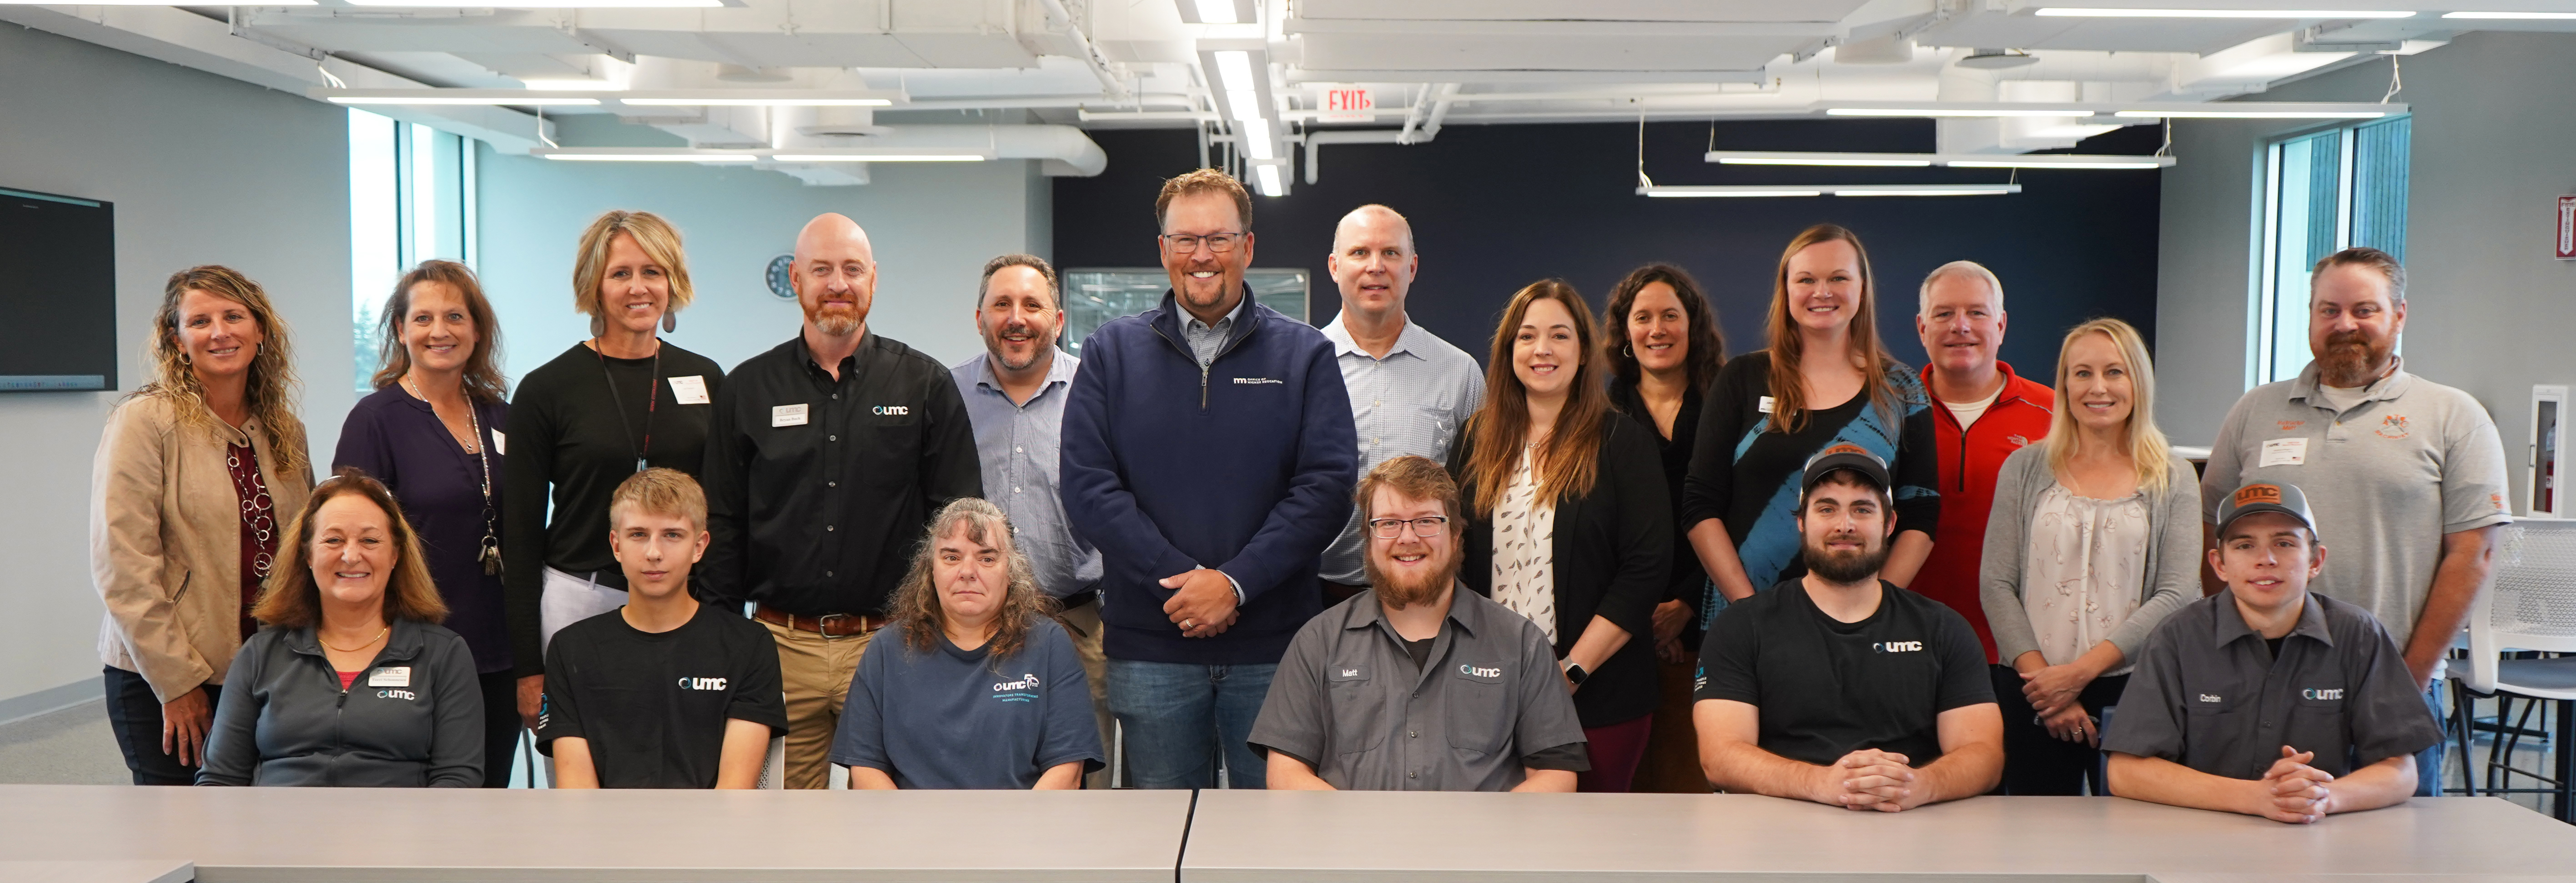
x,y
653,398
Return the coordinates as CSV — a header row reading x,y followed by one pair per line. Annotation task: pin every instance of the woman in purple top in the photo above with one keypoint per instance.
x,y
432,433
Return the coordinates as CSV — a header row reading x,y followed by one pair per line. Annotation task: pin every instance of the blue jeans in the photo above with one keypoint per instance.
x,y
1177,716
2428,762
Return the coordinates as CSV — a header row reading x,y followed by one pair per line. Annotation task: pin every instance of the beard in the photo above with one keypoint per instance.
x,y
1401,592
834,319
2351,359
1039,344
1844,568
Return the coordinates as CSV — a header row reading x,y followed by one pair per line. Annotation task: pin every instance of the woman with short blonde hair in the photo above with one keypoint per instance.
x,y
607,408
2094,539
187,487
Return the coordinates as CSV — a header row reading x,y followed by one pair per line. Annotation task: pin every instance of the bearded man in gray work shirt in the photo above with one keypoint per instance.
x,y
2409,472
1410,390
1417,685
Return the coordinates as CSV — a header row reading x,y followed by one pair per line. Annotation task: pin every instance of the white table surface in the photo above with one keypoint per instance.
x,y
109,871
359,835
1274,837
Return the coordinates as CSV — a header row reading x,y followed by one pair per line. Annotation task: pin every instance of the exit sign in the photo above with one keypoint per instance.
x,y
1348,105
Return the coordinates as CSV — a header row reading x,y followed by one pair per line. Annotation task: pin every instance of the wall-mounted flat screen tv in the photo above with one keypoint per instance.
x,y
57,292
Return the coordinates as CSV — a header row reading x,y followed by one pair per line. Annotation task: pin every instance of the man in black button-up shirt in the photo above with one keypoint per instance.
x,y
825,459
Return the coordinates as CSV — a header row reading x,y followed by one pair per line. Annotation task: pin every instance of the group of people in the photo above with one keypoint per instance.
x,y
1232,544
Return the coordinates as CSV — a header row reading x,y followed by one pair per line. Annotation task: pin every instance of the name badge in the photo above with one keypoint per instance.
x,y
1766,404
690,390
787,415
390,676
500,443
2284,452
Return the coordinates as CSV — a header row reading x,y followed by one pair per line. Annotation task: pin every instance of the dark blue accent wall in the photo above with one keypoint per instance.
x,y
1496,207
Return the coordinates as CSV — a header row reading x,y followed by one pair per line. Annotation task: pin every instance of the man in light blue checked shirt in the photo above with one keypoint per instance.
x,y
1014,395
1409,389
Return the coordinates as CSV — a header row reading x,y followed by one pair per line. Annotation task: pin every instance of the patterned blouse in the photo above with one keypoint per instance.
x,y
2087,558
1525,550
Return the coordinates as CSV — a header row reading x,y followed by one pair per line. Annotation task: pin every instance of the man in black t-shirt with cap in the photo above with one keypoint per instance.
x,y
1840,687
2266,699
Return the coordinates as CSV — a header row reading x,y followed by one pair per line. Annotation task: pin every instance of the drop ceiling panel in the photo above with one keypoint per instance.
x,y
2202,35
1624,53
1583,10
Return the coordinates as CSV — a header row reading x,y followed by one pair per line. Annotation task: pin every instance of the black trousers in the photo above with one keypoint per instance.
x,y
2036,763
500,726
135,715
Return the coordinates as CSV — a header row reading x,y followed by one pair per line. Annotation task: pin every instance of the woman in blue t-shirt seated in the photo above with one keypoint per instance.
x,y
972,685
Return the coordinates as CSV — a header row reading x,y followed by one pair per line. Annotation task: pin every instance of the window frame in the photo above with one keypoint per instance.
x,y
2263,313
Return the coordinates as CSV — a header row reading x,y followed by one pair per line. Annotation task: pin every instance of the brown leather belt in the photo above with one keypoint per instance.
x,y
829,625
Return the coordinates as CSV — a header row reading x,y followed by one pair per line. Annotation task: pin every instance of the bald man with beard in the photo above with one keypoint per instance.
x,y
825,461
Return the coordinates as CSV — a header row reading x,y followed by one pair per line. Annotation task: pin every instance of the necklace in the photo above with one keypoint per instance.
x,y
653,397
489,551
473,443
326,645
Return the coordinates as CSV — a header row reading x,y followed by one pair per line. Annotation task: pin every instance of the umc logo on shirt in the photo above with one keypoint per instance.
x,y
702,683
1488,673
1256,381
2314,694
1023,690
1895,646
890,410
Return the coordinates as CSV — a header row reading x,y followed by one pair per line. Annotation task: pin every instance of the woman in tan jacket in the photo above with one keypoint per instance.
x,y
193,476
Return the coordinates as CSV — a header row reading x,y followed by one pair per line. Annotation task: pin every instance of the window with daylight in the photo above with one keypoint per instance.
x,y
411,198
2323,192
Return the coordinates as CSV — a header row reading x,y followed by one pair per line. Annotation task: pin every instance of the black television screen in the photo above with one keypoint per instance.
x,y
58,292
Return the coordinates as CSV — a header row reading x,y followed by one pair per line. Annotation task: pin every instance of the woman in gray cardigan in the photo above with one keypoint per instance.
x,y
2093,540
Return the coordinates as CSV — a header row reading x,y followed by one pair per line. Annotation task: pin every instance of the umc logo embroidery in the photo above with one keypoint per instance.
x,y
890,410
2393,427
2315,694
1895,646
1256,381
1023,690
702,683
1480,672
2258,493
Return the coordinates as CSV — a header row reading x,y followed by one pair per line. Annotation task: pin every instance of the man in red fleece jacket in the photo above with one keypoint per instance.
x,y
1987,412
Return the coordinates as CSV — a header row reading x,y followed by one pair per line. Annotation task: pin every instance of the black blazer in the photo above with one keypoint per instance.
x,y
1613,555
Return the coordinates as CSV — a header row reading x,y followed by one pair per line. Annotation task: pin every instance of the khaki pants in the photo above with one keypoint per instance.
x,y
1084,624
816,672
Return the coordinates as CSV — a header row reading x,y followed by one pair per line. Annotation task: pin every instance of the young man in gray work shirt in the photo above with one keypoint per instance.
x,y
1415,685
2412,470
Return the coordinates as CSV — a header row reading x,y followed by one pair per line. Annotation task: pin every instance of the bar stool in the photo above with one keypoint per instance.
x,y
2531,607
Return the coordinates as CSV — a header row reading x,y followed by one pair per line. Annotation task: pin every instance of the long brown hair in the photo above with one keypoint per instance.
x,y
270,391
1567,464
483,380
916,611
291,600
1788,386
1707,344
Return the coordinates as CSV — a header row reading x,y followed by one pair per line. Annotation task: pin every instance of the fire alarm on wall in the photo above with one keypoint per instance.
x,y
2565,240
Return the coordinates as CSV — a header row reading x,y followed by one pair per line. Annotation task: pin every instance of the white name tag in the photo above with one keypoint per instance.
x,y
390,676
2284,452
787,415
1766,404
690,390
500,443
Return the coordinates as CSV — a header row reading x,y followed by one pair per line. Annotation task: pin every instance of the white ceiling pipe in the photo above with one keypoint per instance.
x,y
1316,140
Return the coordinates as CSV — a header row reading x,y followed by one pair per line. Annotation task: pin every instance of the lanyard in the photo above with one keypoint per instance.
x,y
489,555
653,393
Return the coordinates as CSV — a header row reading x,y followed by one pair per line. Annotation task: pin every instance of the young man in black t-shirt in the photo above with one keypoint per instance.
x,y
1839,687
663,692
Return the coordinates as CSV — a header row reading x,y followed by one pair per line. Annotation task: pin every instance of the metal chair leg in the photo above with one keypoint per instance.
x,y
2462,720
2565,750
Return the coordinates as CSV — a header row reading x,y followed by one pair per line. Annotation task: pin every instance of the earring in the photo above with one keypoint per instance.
x,y
183,359
1628,349
598,325
670,321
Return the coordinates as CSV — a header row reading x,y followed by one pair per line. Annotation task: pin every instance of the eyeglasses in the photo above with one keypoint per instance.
x,y
1390,528
1184,243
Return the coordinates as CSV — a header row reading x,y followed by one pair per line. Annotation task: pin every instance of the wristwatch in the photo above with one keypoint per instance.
x,y
1574,673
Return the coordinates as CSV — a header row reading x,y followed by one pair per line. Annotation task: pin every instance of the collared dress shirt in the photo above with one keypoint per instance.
x,y
1410,402
1018,443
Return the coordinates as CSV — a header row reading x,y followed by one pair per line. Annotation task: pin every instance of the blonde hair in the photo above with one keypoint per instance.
x,y
270,390
659,491
660,242
290,598
1788,387
915,610
2148,450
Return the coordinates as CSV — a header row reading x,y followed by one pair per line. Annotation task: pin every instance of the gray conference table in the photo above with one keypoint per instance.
x,y
317,835
1277,837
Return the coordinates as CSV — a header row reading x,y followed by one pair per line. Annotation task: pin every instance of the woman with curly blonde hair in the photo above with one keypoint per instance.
x,y
188,484
982,690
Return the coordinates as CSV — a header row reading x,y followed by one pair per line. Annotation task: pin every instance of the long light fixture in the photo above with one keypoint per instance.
x,y
1954,112
763,98
2323,110
2084,12
2254,114
134,3
561,4
697,154
1954,160
1216,12
877,157
639,154
1798,190
2534,16
518,97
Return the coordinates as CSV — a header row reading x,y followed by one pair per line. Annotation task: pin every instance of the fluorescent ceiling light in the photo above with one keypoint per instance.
x,y
2038,163
1954,160
1234,68
2256,114
1255,135
1245,103
780,101
1921,190
2221,13
652,157
1837,190
1267,178
2511,15
1818,159
551,4
882,157
135,3
1952,112
1667,192
519,100
1216,12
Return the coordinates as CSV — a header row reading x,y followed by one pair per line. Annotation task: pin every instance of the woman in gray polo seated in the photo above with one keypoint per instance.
x,y
982,688
353,682
2093,540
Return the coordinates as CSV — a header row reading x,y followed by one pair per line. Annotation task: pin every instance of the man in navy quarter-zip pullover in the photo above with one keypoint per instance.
x,y
1209,454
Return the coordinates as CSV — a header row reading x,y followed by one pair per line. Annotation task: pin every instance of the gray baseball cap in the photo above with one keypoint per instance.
x,y
2265,496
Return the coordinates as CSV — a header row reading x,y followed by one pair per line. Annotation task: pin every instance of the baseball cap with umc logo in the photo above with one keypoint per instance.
x,y
2265,496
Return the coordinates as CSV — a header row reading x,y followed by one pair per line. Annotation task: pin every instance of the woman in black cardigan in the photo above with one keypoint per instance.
x,y
1568,521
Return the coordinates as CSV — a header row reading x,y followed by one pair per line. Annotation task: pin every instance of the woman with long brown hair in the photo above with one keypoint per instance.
x,y
432,433
353,684
189,480
1824,380
982,688
1662,345
1568,520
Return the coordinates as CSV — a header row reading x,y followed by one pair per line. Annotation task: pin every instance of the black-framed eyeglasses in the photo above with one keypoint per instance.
x,y
1185,243
1390,528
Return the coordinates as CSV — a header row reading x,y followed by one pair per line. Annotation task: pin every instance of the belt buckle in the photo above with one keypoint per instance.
x,y
823,625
